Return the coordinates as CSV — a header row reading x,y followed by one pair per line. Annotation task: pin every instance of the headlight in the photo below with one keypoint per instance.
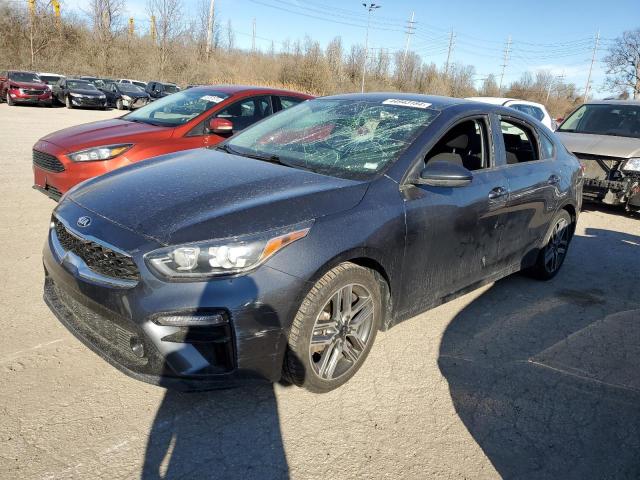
x,y
102,97
632,165
126,97
76,95
99,153
222,257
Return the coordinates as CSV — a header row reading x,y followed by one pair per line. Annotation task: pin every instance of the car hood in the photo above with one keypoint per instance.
x,y
606,145
82,91
135,94
203,194
104,132
30,85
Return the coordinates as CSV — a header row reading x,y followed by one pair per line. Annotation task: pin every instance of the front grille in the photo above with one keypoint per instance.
x,y
33,92
97,257
47,161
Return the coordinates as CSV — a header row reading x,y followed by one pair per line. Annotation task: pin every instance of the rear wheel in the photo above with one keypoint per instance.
x,y
552,255
334,329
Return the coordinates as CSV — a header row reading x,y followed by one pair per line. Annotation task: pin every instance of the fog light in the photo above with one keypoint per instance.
x,y
203,319
136,347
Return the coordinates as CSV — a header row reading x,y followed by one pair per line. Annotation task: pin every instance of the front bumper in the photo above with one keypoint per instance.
x,y
111,319
37,99
135,102
90,102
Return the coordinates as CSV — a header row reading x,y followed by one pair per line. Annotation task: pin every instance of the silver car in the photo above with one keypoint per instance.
x,y
605,136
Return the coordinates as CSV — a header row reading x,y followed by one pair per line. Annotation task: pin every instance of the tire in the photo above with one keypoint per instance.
x,y
552,255
10,101
119,104
68,103
340,344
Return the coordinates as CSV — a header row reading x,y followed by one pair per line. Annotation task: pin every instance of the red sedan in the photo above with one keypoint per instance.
x,y
193,118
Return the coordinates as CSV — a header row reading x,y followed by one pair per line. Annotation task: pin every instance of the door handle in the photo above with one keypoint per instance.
x,y
497,192
553,180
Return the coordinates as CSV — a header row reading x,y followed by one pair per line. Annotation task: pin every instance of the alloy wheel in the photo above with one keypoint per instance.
x,y
556,249
342,331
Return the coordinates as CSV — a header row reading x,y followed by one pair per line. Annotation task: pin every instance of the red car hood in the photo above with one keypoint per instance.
x,y
106,132
30,85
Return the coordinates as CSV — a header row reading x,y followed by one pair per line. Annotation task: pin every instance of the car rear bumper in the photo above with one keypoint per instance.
x,y
112,320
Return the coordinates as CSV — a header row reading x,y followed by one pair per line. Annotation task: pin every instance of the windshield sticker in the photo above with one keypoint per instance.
x,y
406,103
212,98
370,166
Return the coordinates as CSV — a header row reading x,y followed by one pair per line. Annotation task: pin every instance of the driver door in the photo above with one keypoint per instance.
x,y
453,233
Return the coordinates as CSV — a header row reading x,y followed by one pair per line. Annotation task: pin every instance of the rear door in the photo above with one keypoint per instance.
x,y
533,176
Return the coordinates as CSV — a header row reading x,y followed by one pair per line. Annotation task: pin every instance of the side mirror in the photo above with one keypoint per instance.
x,y
220,126
444,174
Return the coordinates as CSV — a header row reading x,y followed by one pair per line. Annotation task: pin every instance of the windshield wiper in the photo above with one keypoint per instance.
x,y
264,158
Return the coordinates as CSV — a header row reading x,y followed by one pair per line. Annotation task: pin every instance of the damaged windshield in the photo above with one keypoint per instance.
x,y
344,138
604,119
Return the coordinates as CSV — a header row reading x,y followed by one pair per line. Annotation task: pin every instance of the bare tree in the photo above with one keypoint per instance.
x,y
41,28
106,20
231,37
334,53
623,63
168,15
490,86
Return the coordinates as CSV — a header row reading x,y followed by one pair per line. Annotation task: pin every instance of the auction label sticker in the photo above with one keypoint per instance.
x,y
406,103
212,98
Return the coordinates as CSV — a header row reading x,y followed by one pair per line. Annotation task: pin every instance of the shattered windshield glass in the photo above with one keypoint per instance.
x,y
339,137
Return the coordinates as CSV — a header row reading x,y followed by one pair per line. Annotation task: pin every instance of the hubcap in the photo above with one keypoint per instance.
x,y
557,247
341,331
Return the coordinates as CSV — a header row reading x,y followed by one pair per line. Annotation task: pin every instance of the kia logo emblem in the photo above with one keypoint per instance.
x,y
84,221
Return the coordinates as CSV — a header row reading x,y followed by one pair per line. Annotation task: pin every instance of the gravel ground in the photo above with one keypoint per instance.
x,y
519,379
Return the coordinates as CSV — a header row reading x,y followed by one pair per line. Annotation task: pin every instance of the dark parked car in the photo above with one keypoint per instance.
x,y
73,93
605,136
159,89
289,246
125,96
24,87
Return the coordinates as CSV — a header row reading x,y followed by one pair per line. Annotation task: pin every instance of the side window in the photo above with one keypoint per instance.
x,y
538,114
286,102
519,142
466,144
247,111
546,146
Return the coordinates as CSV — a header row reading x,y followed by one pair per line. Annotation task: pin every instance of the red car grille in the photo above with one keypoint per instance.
x,y
47,161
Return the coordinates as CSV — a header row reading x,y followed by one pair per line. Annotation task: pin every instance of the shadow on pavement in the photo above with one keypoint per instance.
x,y
225,434
546,376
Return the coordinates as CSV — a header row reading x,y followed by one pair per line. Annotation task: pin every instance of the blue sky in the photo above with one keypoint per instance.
x,y
557,35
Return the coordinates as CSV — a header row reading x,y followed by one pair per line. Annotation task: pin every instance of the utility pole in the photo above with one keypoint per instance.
x,y
210,28
452,40
593,60
409,31
505,63
370,8
253,37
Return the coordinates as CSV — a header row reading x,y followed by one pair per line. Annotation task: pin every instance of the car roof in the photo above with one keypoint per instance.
x,y
234,89
504,100
51,74
436,102
614,102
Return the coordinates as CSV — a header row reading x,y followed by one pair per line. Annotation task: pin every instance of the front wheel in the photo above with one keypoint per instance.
x,y
552,255
68,102
119,104
10,101
334,329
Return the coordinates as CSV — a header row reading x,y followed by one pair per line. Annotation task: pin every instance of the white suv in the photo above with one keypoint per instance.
x,y
536,110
